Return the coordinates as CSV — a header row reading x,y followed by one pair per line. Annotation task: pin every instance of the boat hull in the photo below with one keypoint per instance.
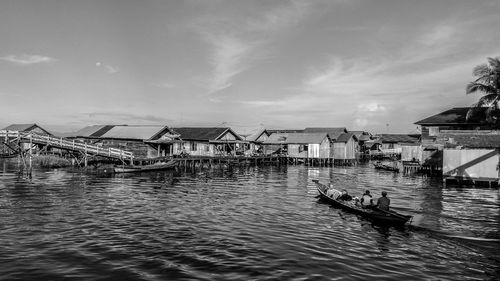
x,y
376,215
147,168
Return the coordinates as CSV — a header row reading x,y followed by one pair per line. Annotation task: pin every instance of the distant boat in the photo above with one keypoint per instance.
x,y
153,167
380,166
374,214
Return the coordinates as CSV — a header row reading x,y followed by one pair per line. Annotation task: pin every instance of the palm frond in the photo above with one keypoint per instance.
x,y
481,70
473,87
488,100
494,63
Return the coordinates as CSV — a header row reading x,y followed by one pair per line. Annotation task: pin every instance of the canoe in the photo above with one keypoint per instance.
x,y
375,214
153,167
381,166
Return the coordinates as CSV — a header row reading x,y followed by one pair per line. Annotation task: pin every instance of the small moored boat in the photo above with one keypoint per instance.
x,y
153,167
380,166
374,214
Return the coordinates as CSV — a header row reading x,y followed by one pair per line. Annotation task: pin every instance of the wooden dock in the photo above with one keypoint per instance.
x,y
14,138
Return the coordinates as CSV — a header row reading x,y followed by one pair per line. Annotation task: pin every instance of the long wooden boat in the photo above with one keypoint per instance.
x,y
375,214
381,166
153,167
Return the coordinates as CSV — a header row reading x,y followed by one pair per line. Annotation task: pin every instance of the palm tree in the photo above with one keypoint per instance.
x,y
487,83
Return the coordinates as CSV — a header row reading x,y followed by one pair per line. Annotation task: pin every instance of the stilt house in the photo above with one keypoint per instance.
x,y
345,148
143,141
312,145
472,157
208,141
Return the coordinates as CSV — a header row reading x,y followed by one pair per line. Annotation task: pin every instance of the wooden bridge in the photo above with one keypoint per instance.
x,y
65,144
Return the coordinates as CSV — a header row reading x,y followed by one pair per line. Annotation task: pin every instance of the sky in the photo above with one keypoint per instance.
x,y
374,65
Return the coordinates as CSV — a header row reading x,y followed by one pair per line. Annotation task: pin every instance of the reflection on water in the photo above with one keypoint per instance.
x,y
240,224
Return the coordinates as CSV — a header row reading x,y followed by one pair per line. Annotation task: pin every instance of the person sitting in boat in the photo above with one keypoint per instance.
x,y
366,200
332,192
383,202
345,196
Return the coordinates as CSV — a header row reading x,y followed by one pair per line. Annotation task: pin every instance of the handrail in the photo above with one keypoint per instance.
x,y
66,144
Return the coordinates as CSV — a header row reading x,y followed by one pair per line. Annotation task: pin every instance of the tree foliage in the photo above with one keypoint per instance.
x,y
487,83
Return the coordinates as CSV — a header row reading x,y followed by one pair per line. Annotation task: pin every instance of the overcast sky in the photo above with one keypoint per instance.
x,y
373,65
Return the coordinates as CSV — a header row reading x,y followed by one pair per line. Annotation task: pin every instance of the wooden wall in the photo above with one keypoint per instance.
x,y
139,148
471,163
345,151
202,148
411,152
297,151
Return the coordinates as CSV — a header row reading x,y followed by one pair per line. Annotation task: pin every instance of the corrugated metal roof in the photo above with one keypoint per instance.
x,y
333,132
284,131
133,132
277,138
473,140
91,131
25,128
19,127
303,138
397,138
346,137
454,116
255,136
203,133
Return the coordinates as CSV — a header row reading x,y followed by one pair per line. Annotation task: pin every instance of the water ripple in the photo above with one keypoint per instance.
x,y
240,224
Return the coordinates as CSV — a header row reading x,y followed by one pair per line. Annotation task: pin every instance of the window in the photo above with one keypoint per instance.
x,y
194,146
433,131
207,148
303,148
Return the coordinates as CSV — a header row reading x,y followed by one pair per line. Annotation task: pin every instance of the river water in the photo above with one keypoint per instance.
x,y
253,223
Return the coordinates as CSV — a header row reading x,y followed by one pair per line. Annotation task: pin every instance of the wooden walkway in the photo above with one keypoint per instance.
x,y
62,143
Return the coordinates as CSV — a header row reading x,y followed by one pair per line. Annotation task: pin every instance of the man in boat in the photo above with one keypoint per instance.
x,y
330,191
345,196
366,200
383,202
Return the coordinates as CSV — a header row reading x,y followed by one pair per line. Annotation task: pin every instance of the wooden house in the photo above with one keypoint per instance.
x,y
472,157
24,128
256,142
143,141
345,148
308,145
452,119
391,144
333,132
208,141
28,128
276,144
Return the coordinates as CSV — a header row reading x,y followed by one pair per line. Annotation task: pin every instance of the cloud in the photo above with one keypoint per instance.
x,y
108,68
27,59
230,56
237,43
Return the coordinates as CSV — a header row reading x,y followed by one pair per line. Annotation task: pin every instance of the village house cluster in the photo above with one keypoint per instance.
x,y
448,144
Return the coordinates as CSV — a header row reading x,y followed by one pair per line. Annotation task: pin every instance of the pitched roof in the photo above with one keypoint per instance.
x,y
133,132
284,131
257,135
397,138
277,138
203,133
346,137
333,132
304,138
454,116
361,135
91,131
24,128
473,140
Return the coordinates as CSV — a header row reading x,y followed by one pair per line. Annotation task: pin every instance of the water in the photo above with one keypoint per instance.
x,y
239,224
